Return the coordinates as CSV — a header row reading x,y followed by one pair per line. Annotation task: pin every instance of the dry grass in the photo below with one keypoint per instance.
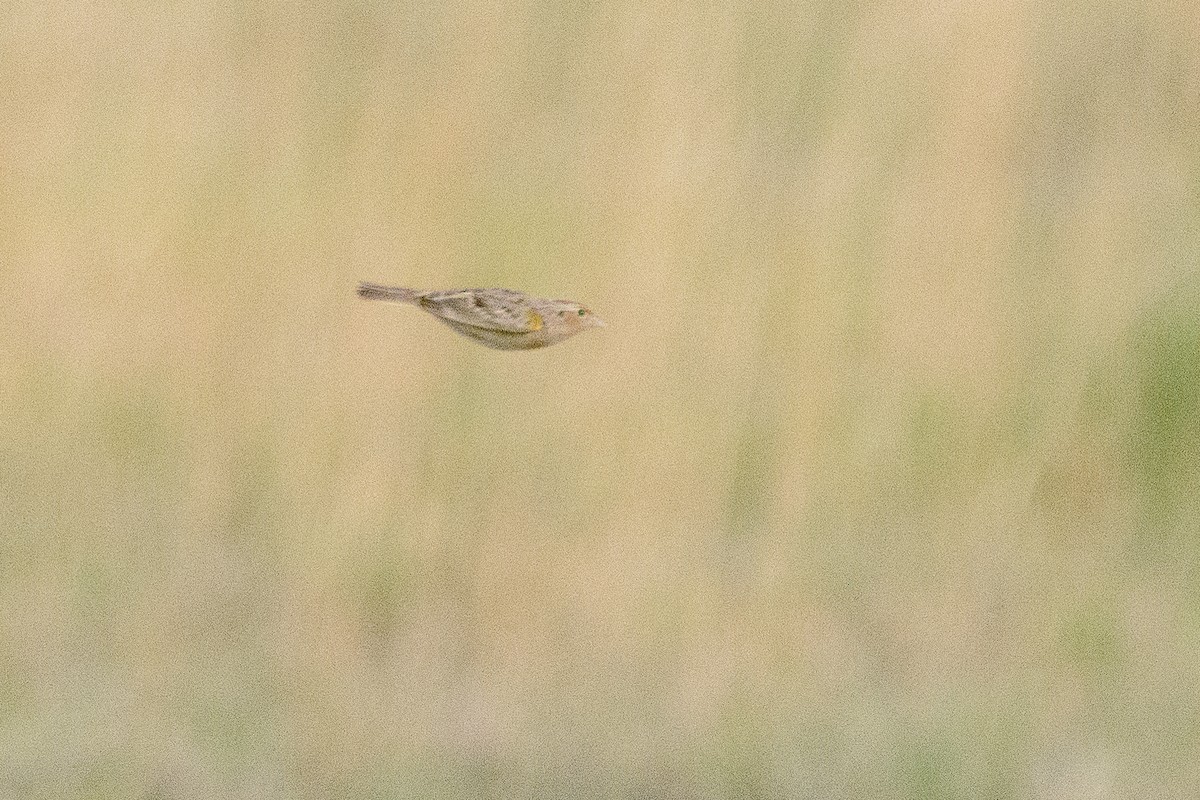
x,y
881,483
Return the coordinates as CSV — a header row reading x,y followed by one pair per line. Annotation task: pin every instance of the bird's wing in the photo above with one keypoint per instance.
x,y
495,309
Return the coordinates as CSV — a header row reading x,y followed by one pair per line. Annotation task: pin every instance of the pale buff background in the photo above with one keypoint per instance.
x,y
883,481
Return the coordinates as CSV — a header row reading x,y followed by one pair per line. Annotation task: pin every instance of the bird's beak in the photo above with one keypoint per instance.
x,y
598,323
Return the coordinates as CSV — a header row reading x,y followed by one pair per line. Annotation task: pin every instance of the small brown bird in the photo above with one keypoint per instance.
x,y
503,319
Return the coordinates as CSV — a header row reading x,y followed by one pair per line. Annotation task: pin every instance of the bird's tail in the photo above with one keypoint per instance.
x,y
396,294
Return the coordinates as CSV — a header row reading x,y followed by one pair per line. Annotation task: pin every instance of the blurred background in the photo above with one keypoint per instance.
x,y
883,481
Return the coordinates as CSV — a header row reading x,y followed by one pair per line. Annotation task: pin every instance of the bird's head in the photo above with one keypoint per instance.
x,y
576,317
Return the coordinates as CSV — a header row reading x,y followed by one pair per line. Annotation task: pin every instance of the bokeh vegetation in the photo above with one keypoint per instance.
x,y
882,482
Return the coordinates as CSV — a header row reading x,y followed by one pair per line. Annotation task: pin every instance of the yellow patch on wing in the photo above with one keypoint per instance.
x,y
535,320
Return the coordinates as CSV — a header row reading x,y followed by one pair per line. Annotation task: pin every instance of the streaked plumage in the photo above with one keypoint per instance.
x,y
503,319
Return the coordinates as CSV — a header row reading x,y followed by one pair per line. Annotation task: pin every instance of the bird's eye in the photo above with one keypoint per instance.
x,y
582,312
